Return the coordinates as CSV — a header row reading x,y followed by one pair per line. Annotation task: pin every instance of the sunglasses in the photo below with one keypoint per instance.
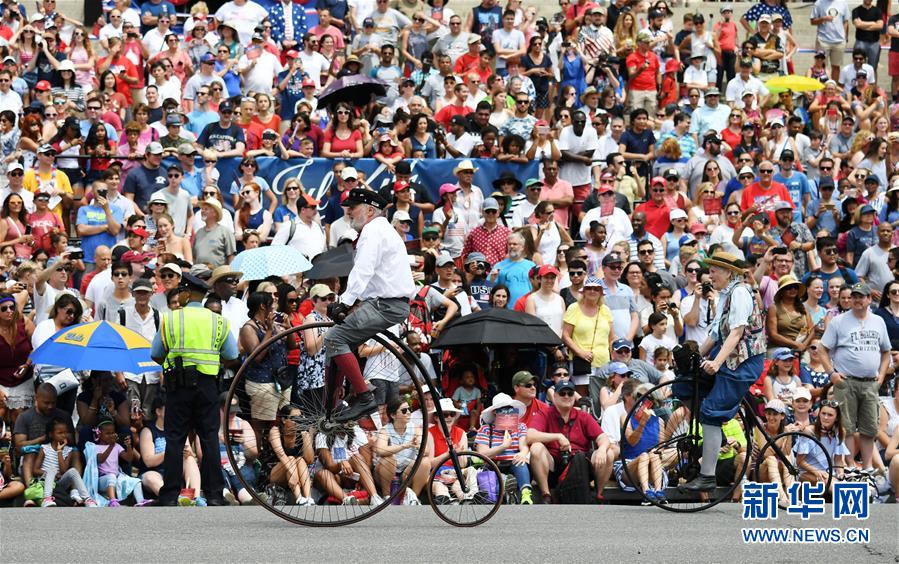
x,y
528,385
766,171
292,189
69,311
17,173
168,275
693,270
210,194
894,292
404,410
565,393
7,308
174,175
232,281
646,252
430,237
120,274
576,273
561,373
830,403
328,298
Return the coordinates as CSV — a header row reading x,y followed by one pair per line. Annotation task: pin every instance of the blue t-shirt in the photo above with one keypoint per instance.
x,y
847,274
283,213
163,7
221,139
142,182
798,187
857,240
197,121
94,215
480,292
514,275
827,221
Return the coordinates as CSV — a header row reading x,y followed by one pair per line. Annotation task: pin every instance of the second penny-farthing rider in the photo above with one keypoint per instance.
x,y
376,298
733,355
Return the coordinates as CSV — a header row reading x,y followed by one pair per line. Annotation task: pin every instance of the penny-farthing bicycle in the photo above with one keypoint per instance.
x,y
296,451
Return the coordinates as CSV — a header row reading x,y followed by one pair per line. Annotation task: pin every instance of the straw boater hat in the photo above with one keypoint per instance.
x,y
790,281
727,261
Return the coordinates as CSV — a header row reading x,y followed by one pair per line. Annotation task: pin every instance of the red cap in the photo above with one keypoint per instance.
x,y
603,188
698,228
658,180
310,201
132,256
400,185
292,54
548,269
607,176
42,85
308,82
140,231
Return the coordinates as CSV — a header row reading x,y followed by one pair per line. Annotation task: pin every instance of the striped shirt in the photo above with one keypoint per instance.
x,y
489,436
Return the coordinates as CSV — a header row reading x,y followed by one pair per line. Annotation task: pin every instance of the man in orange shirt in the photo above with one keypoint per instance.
x,y
469,61
763,195
644,69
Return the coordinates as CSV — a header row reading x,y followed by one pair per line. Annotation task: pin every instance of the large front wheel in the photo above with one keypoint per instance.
x,y
306,468
674,457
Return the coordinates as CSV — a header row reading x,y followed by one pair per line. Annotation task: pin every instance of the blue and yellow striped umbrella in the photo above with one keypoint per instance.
x,y
98,345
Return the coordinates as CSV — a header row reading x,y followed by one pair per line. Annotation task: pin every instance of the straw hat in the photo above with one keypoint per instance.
x,y
790,281
726,261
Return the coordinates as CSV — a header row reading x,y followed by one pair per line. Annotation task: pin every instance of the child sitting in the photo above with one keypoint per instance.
x,y
467,398
503,438
658,324
58,463
389,152
108,463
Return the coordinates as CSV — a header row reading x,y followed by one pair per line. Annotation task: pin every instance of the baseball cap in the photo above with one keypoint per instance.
x,y
764,18
42,85
861,288
173,119
45,149
867,208
687,239
320,291
619,344
400,185
612,258
671,173
364,196
171,266
226,106
402,216
269,134
713,91
677,213
564,385
522,377
802,393
154,148
658,180
782,205
132,256
348,173
207,58
698,228
619,368
292,54
644,35
443,258
605,188
475,257
776,405
368,22
142,285
140,232
15,165
548,269
490,204
787,154
186,149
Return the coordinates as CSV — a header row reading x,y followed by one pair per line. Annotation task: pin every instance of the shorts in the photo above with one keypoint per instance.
x,y
368,319
645,99
893,63
248,474
621,477
384,390
265,401
834,52
145,393
21,396
859,405
76,176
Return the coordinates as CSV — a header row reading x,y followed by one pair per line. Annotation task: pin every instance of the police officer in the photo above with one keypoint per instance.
x,y
378,289
190,346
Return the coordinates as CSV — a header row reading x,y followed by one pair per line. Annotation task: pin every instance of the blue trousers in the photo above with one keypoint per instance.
x,y
723,400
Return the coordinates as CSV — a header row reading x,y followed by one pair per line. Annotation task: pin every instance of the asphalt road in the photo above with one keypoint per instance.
x,y
414,534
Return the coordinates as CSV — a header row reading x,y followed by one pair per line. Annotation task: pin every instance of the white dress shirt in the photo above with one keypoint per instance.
x,y
381,268
308,239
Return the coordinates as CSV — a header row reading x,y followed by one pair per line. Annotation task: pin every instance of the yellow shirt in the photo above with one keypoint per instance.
x,y
591,333
37,182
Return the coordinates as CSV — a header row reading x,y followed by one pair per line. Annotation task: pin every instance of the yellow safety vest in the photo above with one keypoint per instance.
x,y
196,335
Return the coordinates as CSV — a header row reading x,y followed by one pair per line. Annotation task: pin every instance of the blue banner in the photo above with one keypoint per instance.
x,y
316,176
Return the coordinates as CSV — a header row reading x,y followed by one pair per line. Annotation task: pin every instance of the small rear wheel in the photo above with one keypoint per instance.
x,y
470,499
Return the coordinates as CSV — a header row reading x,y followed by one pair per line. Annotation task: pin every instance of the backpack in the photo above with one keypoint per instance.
x,y
574,481
155,317
420,319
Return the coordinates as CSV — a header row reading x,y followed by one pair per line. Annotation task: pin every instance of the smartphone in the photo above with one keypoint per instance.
x,y
102,193
543,130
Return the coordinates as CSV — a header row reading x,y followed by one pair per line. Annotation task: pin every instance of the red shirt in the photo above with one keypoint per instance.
x,y
116,66
447,113
577,10
466,63
581,429
252,133
726,32
530,411
440,446
755,195
657,217
645,79
491,242
521,303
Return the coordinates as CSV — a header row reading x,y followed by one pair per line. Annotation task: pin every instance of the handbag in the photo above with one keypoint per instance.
x,y
283,377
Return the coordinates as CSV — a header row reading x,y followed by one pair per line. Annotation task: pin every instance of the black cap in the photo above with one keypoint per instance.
x,y
364,196
787,154
458,120
117,252
193,283
826,182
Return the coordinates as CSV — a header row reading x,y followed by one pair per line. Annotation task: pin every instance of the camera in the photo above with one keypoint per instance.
x,y
763,217
102,193
672,305
280,317
76,255
706,288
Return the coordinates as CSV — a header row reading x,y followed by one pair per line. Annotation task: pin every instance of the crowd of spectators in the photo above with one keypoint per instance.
x,y
657,143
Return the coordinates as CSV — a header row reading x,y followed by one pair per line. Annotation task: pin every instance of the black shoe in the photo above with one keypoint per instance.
x,y
167,502
215,502
364,404
700,483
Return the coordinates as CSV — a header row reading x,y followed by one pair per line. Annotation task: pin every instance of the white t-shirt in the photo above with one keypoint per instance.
x,y
244,18
577,174
178,206
650,343
701,332
43,303
99,286
314,65
513,40
308,239
260,77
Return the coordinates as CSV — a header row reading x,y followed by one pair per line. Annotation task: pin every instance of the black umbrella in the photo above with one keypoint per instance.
x,y
497,327
333,263
354,89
